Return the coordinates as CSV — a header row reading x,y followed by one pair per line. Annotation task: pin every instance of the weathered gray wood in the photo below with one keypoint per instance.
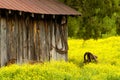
x,y
12,39
46,40
8,38
39,40
34,38
65,31
43,42
59,51
16,38
37,43
31,47
3,42
20,40
25,38
53,51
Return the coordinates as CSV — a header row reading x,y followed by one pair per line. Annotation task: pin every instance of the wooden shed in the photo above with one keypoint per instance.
x,y
33,30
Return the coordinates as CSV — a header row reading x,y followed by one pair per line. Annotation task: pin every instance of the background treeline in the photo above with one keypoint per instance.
x,y
99,18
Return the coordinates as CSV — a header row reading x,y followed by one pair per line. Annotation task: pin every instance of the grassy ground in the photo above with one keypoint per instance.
x,y
107,68
108,52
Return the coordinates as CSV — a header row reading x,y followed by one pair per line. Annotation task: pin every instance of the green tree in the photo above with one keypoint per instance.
x,y
98,17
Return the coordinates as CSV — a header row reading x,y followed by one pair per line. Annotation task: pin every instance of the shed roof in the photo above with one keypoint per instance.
x,y
53,7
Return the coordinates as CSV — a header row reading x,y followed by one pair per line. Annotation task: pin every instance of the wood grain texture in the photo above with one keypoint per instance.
x,y
25,38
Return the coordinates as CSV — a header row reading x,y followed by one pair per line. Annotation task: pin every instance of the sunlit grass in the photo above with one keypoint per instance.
x,y
107,50
54,70
107,68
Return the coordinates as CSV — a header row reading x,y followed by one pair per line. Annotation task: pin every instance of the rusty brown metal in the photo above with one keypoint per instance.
x,y
52,7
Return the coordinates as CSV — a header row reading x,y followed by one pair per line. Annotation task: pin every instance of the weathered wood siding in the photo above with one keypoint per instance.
x,y
24,38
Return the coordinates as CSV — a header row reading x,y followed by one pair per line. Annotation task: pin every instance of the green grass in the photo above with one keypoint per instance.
x,y
107,68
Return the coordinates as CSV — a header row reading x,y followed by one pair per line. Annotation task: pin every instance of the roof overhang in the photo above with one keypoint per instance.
x,y
52,7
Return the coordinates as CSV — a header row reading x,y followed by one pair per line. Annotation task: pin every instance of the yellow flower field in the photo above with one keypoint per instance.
x,y
107,50
108,53
107,68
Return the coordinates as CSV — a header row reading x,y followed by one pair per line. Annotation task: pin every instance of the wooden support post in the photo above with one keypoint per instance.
x,y
3,42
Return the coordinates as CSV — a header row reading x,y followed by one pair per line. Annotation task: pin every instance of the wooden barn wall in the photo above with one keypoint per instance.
x,y
25,38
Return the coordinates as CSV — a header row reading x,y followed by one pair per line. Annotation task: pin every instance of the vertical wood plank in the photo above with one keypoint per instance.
x,y
51,29
32,51
21,38
36,35
39,41
48,25
47,39
16,38
61,44
58,42
3,42
42,38
8,37
53,44
13,52
29,51
8,24
64,34
26,38
25,52
18,42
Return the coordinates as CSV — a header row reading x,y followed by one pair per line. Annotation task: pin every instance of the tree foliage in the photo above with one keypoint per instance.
x,y
99,18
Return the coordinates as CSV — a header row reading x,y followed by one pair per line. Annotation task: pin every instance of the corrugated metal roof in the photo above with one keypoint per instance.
x,y
38,6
